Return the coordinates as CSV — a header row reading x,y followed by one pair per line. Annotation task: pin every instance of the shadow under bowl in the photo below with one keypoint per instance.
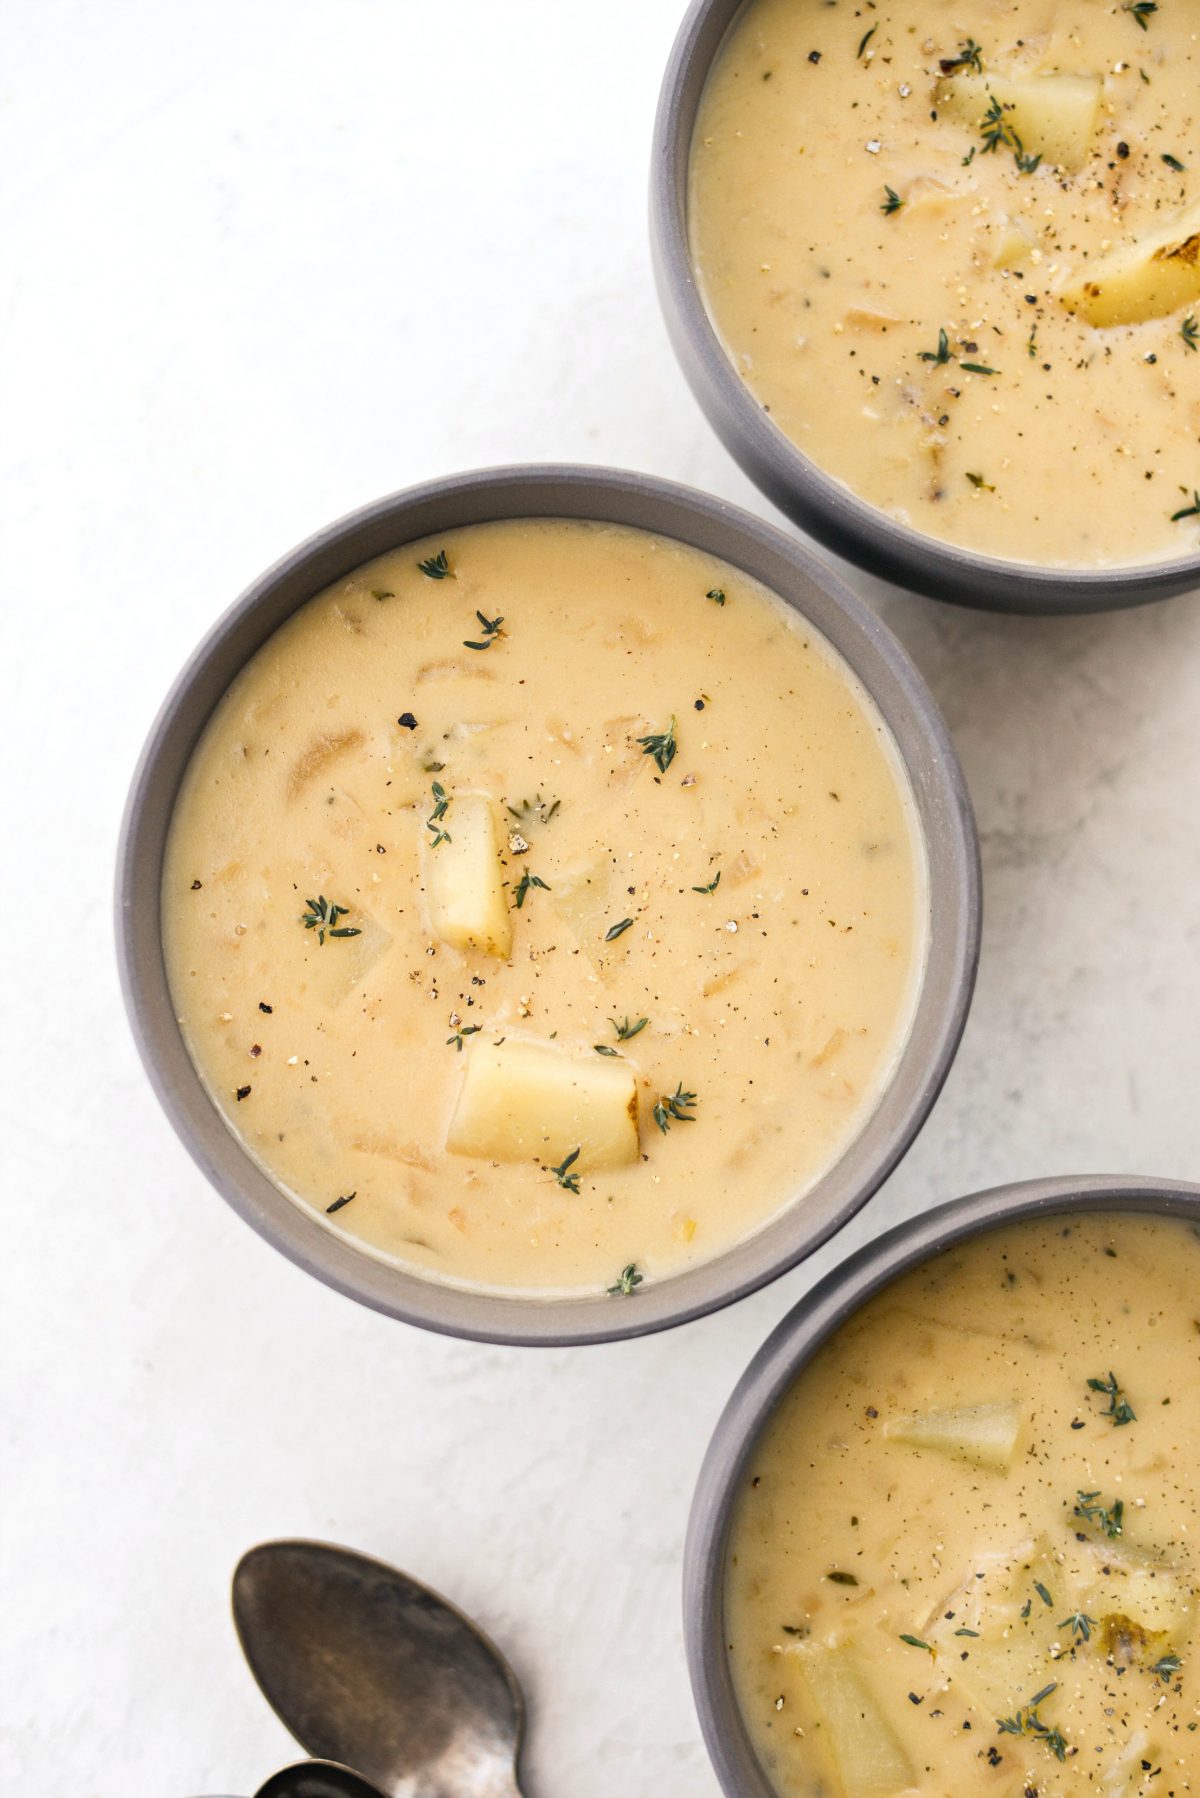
x,y
821,505
786,1352
943,815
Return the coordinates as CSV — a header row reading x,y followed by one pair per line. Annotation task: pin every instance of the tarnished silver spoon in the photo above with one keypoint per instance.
x,y
317,1779
370,1669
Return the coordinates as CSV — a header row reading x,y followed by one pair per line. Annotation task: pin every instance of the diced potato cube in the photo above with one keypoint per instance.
x,y
871,1760
1053,115
463,879
1150,278
1013,243
985,1435
525,1100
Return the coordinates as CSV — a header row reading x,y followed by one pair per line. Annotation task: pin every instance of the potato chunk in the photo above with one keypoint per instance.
x,y
1156,275
985,1435
870,1758
463,880
1053,115
522,1100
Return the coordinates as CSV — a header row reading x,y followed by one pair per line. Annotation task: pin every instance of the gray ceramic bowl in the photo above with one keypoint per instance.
x,y
945,816
789,1347
823,506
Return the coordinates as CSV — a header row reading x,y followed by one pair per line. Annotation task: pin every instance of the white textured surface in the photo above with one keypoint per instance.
x,y
263,260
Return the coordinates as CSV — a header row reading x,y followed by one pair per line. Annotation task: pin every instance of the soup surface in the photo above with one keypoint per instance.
x,y
953,247
966,1558
544,905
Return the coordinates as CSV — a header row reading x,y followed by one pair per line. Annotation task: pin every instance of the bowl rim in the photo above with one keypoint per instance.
x,y
816,501
786,1351
925,751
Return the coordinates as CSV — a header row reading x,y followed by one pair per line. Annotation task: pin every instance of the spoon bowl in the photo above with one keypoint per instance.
x,y
367,1667
318,1779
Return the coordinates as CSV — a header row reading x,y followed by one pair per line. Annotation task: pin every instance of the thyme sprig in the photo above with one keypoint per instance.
x,y
1192,511
1119,1407
712,886
997,132
677,1107
438,567
629,1279
491,630
1189,330
527,880
1167,1668
322,917
625,1030
662,746
441,804
1112,1522
462,1032
568,1180
1027,1722
1142,11
893,202
970,56
1079,1625
942,354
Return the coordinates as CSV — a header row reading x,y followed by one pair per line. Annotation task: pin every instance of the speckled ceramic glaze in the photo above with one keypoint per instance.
x,y
943,811
822,505
786,1351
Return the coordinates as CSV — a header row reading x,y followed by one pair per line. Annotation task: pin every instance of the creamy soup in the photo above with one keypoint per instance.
x,y
966,1557
544,905
953,247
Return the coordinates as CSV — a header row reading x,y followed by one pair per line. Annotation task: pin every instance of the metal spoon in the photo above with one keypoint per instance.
x,y
317,1779
368,1668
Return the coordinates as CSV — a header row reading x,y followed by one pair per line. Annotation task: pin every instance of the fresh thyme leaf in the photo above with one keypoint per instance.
x,y
717,595
527,880
977,480
1031,345
893,203
1192,511
943,353
1027,1722
380,593
1111,1522
346,1198
1173,162
441,804
977,368
603,1049
1043,1594
916,1642
437,567
1142,10
323,917
1079,1625
626,1030
570,1181
616,930
841,1579
865,40
969,158
491,630
1167,1668
1027,165
712,886
464,1030
675,1108
966,1632
1189,330
535,809
1119,1408
661,746
629,1279
970,56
